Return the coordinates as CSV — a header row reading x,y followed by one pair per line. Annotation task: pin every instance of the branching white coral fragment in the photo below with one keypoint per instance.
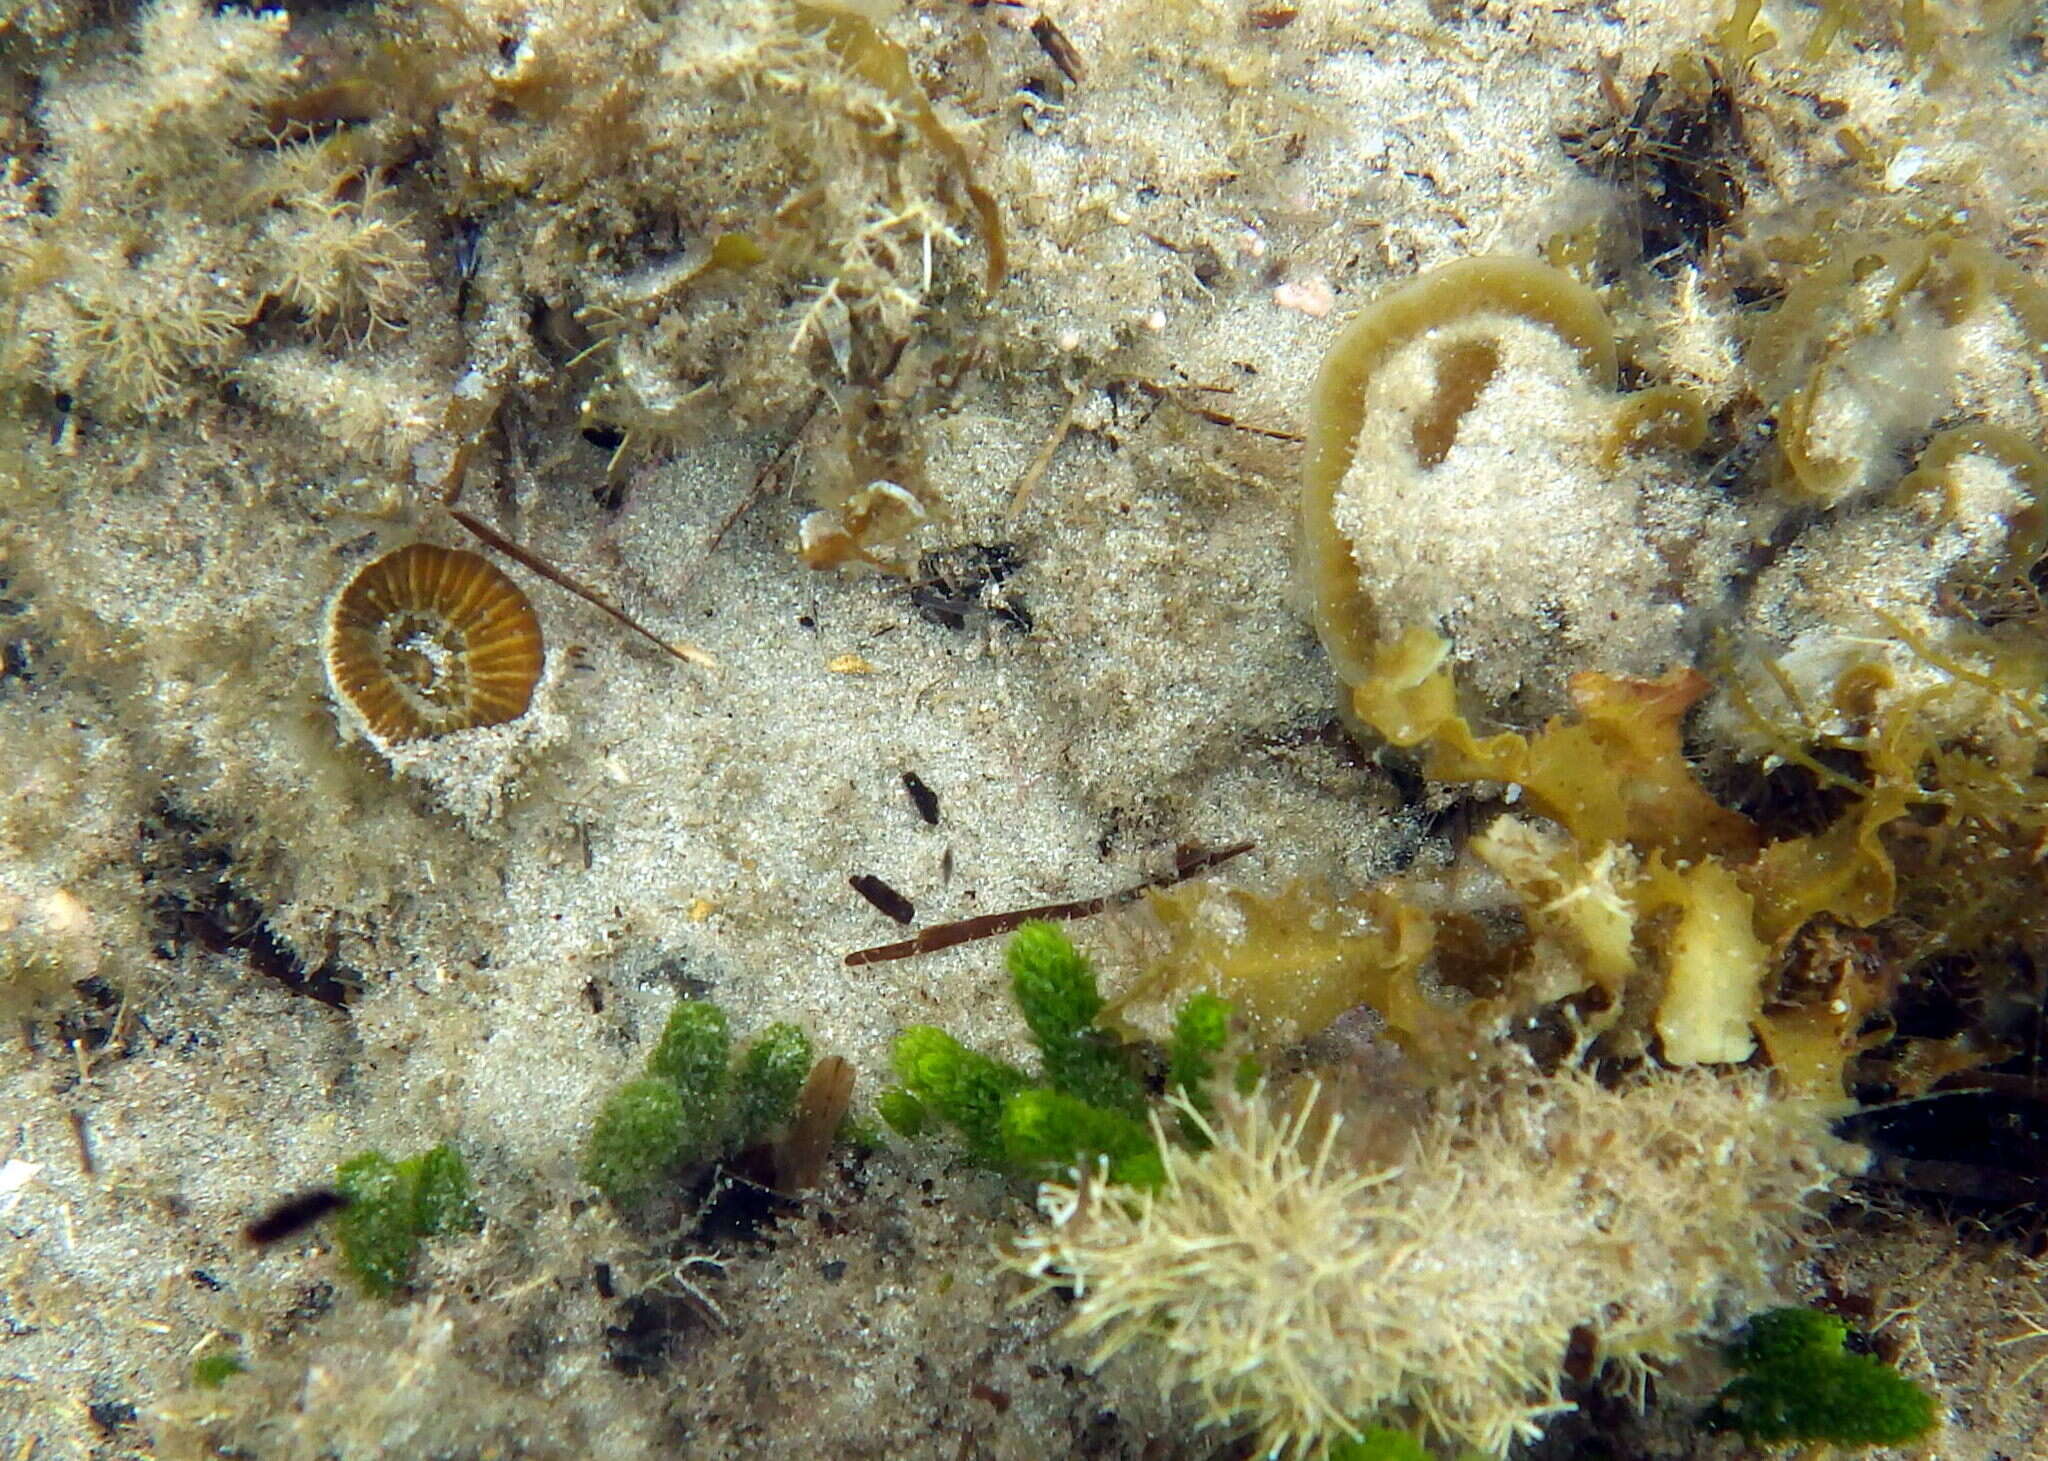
x,y
1300,1288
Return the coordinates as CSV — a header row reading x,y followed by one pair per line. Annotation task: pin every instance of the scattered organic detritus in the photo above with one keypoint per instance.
x,y
1087,1101
81,1137
294,1215
689,654
199,897
428,640
390,1206
697,1103
1798,1384
1188,861
1310,1267
1676,156
884,899
953,586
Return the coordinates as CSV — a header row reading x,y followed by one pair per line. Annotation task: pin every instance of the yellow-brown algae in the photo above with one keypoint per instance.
x,y
1517,289
427,640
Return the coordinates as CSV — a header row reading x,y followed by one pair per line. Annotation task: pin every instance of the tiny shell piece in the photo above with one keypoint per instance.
x,y
1310,296
428,640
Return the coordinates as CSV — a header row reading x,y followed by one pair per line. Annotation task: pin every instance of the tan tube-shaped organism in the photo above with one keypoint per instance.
x,y
1346,618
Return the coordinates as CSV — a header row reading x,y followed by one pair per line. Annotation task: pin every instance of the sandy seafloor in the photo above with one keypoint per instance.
x,y
514,925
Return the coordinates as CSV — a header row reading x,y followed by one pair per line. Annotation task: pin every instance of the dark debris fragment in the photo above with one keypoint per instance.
x,y
1677,154
957,586
1053,41
922,797
293,1215
111,1415
885,899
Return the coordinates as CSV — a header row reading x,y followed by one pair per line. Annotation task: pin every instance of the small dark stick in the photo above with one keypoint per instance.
x,y
885,899
83,1136
922,797
295,1214
1053,41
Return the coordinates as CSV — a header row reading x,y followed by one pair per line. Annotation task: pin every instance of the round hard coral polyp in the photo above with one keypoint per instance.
x,y
428,640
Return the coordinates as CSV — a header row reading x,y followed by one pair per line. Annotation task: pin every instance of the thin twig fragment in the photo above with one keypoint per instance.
x,y
820,1108
1028,483
1217,418
1053,41
1187,862
687,653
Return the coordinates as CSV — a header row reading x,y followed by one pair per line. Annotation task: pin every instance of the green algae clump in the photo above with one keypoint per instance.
x,y
694,1103
1087,1102
216,1367
392,1205
635,1139
1798,1383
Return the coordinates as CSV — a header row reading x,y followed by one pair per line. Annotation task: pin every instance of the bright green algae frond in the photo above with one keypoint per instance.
x,y
767,1080
392,1205
695,1103
966,1089
693,1055
216,1367
1087,1103
1799,1383
635,1139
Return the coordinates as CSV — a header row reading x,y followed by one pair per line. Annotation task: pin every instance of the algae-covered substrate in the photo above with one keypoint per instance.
x,y
1563,483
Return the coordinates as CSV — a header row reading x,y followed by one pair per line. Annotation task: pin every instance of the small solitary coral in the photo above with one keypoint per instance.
x,y
428,640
